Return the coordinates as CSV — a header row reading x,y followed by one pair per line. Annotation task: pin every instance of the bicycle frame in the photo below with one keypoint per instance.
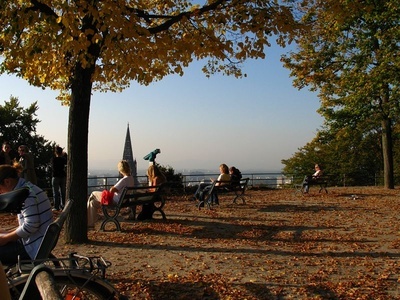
x,y
75,276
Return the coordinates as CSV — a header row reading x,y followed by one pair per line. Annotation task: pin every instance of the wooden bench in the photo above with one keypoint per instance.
x,y
237,188
131,197
322,182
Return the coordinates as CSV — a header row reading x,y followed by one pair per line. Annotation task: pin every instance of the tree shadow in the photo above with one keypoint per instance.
x,y
298,208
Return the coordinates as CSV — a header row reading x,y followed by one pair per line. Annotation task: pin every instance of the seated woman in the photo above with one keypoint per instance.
x,y
314,177
236,175
223,178
155,178
94,201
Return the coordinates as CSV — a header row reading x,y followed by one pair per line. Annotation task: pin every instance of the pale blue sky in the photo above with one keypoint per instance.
x,y
197,122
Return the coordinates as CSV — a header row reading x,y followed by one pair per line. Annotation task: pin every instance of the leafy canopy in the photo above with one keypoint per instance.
x,y
44,41
348,51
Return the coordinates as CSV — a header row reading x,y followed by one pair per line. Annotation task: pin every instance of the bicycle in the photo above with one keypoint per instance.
x,y
75,277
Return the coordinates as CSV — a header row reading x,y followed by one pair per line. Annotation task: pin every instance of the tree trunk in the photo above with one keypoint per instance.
x,y
78,128
387,150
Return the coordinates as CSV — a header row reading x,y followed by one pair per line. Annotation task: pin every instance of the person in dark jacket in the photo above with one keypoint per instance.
x,y
236,175
7,154
58,177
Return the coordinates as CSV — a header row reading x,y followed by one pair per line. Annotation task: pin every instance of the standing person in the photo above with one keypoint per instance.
x,y
7,155
27,164
33,220
58,179
94,201
314,177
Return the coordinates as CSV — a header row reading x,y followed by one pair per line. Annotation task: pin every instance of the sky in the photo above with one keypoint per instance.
x,y
197,122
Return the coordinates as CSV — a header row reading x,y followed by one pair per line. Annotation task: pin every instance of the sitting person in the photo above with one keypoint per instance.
x,y
223,178
312,178
34,218
155,178
94,201
236,175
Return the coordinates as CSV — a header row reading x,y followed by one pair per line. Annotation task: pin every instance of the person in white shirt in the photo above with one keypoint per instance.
x,y
33,220
94,201
314,177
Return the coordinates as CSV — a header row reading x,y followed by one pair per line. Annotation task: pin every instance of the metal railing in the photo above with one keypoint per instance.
x,y
261,179
270,180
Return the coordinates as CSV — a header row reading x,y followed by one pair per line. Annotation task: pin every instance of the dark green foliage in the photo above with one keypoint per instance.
x,y
18,126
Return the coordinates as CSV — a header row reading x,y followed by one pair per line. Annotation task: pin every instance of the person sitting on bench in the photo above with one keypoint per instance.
x,y
312,178
94,201
155,178
236,175
34,218
222,178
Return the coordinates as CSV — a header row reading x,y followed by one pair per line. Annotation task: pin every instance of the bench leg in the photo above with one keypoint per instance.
x,y
161,212
110,217
111,220
298,188
323,187
239,196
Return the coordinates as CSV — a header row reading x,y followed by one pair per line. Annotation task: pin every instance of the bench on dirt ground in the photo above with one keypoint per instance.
x,y
131,197
238,190
321,182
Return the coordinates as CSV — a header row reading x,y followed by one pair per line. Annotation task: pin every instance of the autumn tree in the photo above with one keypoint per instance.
x,y
79,46
348,51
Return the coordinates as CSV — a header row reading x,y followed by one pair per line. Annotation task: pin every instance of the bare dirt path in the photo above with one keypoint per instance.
x,y
277,246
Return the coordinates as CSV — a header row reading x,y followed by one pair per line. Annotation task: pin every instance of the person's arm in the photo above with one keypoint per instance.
x,y
113,190
29,218
218,179
5,238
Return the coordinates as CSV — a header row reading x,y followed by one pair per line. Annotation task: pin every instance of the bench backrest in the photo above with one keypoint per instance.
x,y
52,234
129,193
229,186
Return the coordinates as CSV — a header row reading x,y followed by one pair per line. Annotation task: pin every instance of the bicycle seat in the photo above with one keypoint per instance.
x,y
14,200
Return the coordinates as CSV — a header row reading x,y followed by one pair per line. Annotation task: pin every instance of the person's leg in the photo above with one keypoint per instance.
x,y
56,192
199,190
215,199
9,253
93,204
63,187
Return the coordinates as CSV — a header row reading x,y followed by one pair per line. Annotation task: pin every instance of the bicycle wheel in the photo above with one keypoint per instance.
x,y
72,285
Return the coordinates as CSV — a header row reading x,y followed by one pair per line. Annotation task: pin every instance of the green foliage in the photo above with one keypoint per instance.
x,y
348,52
349,157
169,172
18,126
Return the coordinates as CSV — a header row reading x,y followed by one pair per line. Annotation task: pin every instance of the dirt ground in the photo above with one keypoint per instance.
x,y
340,245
